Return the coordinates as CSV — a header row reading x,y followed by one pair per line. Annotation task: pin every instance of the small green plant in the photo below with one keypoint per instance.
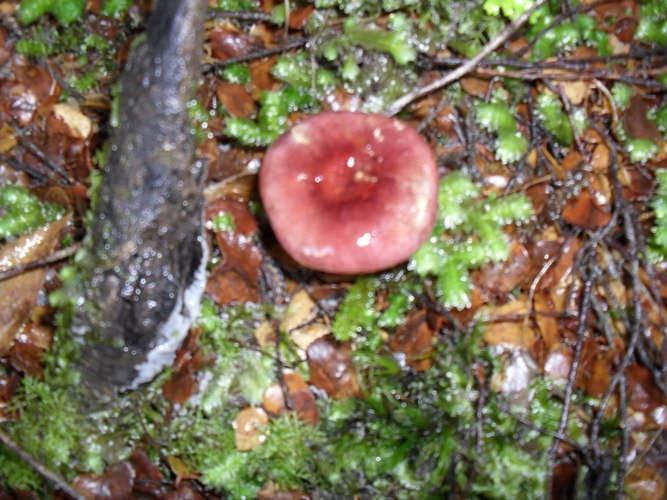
x,y
496,117
555,121
652,26
468,235
657,249
641,149
65,11
22,212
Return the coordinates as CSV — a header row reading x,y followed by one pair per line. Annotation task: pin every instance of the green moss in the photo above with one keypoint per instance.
x,y
497,117
468,234
555,120
22,212
114,8
271,121
641,150
65,11
652,26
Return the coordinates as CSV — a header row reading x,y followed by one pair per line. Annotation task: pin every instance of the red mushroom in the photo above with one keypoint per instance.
x,y
350,193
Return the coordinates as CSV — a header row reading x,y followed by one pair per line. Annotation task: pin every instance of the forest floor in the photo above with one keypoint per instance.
x,y
521,352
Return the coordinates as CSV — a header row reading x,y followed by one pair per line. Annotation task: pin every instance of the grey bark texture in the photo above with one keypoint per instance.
x,y
144,275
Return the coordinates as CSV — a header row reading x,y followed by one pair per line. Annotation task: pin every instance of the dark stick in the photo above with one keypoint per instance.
x,y
48,475
289,45
49,259
464,69
21,167
241,15
569,387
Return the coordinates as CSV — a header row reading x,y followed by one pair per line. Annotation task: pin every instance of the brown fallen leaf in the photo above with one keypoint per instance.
x,y
331,369
236,99
416,340
32,341
249,428
636,121
148,477
78,124
300,311
18,295
645,483
643,394
303,399
226,41
116,483
590,210
513,331
272,491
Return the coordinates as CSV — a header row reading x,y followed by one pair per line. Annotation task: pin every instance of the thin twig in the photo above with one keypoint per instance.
x,y
47,474
454,75
288,45
241,15
49,259
32,172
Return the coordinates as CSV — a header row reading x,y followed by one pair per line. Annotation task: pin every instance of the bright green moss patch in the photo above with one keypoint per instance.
x,y
22,212
468,234
497,117
65,11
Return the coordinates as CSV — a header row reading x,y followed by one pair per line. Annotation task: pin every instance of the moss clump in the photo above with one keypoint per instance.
x,y
468,235
22,212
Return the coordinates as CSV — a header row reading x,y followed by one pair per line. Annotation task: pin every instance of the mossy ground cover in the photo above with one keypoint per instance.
x,y
518,353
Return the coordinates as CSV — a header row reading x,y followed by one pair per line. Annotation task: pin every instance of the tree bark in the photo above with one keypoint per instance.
x,y
143,275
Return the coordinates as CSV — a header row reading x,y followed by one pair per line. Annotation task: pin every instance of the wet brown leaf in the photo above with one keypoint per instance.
x,y
331,369
636,121
508,326
590,210
19,294
300,311
299,16
500,279
77,124
249,426
416,340
558,255
303,399
31,343
148,477
475,86
32,89
643,394
236,279
116,483
8,386
226,41
272,491
189,359
306,335
184,492
236,99
645,483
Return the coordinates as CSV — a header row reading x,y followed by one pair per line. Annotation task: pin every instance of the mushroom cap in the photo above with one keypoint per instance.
x,y
350,193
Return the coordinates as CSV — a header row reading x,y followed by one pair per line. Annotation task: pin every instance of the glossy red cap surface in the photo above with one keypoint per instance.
x,y
350,193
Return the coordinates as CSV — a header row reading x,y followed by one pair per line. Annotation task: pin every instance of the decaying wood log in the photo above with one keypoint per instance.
x,y
143,275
